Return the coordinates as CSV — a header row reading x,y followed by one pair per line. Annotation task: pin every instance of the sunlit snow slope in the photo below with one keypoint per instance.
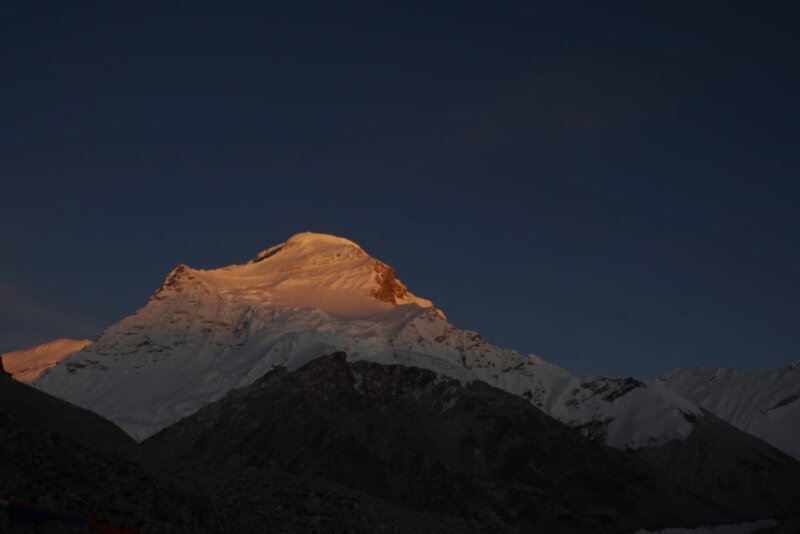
x,y
204,333
27,365
762,402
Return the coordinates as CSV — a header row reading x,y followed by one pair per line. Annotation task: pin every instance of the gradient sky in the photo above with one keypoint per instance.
x,y
612,188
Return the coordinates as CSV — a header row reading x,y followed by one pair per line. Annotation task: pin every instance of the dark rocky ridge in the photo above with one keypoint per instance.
x,y
419,454
429,443
23,405
64,459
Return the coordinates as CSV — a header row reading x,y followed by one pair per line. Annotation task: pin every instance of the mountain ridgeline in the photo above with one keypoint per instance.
x,y
206,332
310,385
762,402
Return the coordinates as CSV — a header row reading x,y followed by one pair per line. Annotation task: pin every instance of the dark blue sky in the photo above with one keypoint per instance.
x,y
612,188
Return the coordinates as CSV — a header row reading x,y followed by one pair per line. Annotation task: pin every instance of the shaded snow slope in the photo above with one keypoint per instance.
x,y
762,402
27,365
205,332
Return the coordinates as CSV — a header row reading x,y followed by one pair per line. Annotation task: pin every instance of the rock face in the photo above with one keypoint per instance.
x,y
206,332
389,287
762,402
415,439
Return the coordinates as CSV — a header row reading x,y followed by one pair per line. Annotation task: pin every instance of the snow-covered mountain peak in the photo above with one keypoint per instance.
x,y
313,244
206,332
309,270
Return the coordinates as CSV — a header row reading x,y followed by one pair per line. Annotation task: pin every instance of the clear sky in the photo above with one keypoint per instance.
x,y
612,187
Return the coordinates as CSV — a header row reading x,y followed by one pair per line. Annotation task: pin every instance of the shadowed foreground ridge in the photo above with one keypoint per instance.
x,y
61,458
430,443
364,447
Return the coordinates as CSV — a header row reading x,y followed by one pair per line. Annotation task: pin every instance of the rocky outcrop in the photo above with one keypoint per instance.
x,y
177,280
389,287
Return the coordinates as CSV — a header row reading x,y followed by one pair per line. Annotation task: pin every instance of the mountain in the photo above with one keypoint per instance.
x,y
262,459
62,458
417,439
762,402
236,357
28,364
24,405
739,473
68,462
205,332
